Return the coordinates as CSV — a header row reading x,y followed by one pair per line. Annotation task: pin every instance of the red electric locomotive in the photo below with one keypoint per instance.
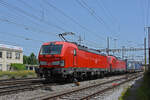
x,y
69,60
117,65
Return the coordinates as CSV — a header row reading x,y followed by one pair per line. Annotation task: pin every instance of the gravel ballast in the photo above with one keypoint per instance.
x,y
58,88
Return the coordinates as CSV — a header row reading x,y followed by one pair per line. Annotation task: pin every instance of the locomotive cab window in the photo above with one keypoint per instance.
x,y
74,52
51,49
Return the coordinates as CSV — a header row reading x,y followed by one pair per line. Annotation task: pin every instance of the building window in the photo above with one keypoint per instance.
x,y
9,55
0,67
17,55
0,54
8,67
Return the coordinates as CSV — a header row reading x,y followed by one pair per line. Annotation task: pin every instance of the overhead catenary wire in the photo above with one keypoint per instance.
x,y
21,37
70,18
13,23
34,29
17,44
26,27
84,5
8,42
89,44
28,5
30,15
42,12
108,13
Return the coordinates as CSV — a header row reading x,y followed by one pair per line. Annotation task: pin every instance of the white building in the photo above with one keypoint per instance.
x,y
10,54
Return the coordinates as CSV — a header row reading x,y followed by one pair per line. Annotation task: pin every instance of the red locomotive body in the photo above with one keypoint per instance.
x,y
116,65
121,66
68,59
55,55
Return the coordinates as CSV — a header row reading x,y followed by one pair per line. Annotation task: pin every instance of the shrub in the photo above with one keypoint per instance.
x,y
18,66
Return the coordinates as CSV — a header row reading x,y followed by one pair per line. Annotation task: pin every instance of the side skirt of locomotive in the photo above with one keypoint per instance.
x,y
71,73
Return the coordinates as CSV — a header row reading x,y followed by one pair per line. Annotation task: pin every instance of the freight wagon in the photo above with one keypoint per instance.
x,y
134,66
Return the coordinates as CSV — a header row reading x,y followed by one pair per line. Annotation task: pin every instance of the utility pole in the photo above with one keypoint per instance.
x,y
123,50
145,51
115,43
107,49
149,47
80,40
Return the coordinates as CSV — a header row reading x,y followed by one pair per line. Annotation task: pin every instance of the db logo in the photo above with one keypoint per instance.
x,y
96,61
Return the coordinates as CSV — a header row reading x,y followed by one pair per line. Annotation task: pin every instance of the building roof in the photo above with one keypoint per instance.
x,y
11,47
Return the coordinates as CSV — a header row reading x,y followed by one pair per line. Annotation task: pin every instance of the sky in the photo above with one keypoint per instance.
x,y
29,23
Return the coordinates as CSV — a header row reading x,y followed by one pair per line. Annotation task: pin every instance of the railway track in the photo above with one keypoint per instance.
x,y
87,92
4,80
17,81
15,86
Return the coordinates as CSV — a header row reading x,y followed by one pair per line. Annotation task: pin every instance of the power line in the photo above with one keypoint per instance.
x,y
30,21
20,10
25,13
114,20
16,44
26,4
22,37
60,11
8,42
69,17
84,5
29,6
33,29
29,15
24,26
89,43
125,49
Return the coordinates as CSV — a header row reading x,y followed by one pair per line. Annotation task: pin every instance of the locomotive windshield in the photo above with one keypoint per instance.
x,y
51,49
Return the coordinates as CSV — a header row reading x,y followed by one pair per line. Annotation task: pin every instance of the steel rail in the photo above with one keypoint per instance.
x,y
20,85
107,89
63,93
23,87
20,81
4,80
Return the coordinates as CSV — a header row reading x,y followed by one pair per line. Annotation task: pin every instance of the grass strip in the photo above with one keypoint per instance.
x,y
17,74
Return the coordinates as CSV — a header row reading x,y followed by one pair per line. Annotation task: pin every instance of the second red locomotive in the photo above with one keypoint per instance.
x,y
117,65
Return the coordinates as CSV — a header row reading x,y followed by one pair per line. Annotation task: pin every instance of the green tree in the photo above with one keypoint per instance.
x,y
25,59
32,60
